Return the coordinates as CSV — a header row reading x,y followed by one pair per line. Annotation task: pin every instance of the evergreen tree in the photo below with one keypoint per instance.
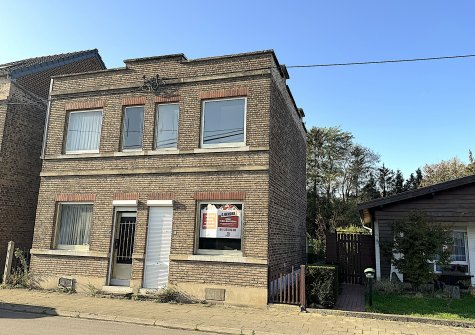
x,y
385,180
370,190
398,182
419,178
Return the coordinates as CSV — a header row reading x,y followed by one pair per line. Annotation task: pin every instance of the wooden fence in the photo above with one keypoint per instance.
x,y
288,288
352,253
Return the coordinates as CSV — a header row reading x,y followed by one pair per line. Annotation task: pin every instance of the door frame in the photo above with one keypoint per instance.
x,y
117,209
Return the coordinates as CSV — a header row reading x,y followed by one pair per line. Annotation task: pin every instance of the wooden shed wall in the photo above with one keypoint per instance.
x,y
453,206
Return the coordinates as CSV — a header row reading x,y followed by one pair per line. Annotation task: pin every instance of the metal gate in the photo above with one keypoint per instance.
x,y
125,240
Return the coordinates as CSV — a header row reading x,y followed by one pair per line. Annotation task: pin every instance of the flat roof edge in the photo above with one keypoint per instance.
x,y
144,59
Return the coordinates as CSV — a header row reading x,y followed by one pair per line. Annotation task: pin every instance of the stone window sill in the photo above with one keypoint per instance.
x,y
221,149
71,253
219,259
157,152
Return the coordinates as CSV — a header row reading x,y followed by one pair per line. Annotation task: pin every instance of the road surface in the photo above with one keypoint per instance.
x,y
19,323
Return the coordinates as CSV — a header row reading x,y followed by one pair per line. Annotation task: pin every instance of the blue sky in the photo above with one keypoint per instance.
x,y
409,113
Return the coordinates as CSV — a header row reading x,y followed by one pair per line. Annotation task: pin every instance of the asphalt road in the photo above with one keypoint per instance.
x,y
19,323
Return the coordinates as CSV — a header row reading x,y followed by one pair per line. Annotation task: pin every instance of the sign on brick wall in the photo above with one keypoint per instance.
x,y
222,222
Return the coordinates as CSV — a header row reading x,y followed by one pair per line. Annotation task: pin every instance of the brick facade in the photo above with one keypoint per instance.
x,y
273,196
22,117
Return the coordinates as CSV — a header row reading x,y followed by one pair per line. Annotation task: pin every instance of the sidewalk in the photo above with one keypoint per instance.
x,y
220,319
351,298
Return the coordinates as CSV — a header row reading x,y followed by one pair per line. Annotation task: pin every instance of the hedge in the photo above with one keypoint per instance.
x,y
321,285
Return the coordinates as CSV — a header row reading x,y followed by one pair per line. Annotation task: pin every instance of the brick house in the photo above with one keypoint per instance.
x,y
24,88
173,171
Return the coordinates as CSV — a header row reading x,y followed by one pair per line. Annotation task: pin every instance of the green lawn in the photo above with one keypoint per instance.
x,y
424,306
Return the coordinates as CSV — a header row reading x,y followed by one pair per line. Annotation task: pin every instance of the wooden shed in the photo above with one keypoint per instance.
x,y
451,203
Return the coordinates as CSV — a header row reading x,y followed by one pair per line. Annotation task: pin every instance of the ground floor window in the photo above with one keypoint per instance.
x,y
220,226
73,226
458,254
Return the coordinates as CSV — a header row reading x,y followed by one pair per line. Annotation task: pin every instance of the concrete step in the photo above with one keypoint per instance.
x,y
120,292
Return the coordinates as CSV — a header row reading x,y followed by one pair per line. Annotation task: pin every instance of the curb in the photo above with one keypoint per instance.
x,y
124,319
394,317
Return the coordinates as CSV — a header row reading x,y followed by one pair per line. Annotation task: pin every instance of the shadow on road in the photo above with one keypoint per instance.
x,y
20,311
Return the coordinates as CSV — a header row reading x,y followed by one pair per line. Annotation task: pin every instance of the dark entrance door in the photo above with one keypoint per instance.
x,y
123,248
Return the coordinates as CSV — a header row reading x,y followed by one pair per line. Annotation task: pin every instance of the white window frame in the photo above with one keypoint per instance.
x,y
123,133
75,152
466,262
155,147
58,224
222,145
199,251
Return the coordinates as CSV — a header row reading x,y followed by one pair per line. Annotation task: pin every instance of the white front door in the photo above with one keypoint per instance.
x,y
157,253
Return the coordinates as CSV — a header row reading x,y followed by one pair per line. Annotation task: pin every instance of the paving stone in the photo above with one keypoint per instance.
x,y
223,319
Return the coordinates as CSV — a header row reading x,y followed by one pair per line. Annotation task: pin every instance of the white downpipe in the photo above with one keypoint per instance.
x,y
45,131
377,253
471,251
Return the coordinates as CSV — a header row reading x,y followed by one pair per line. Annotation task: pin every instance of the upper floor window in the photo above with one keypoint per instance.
x,y
166,131
132,131
223,123
84,131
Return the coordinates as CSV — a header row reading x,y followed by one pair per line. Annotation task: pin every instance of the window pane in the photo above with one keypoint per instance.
x,y
84,131
220,226
133,128
223,121
75,224
166,133
459,247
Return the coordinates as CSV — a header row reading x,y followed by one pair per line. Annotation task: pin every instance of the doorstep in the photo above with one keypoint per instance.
x,y
117,290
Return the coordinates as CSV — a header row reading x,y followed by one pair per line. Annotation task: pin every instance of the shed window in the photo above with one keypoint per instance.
x,y
458,256
459,253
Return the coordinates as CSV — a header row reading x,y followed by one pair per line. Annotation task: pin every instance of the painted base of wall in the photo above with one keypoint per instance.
x,y
83,284
234,295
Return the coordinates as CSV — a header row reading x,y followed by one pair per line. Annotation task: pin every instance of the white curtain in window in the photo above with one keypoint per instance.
x,y
166,132
75,224
459,247
84,131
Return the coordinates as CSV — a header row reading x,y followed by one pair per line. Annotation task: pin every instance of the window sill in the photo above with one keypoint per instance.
x,y
154,152
71,253
223,258
82,152
170,151
221,149
138,151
